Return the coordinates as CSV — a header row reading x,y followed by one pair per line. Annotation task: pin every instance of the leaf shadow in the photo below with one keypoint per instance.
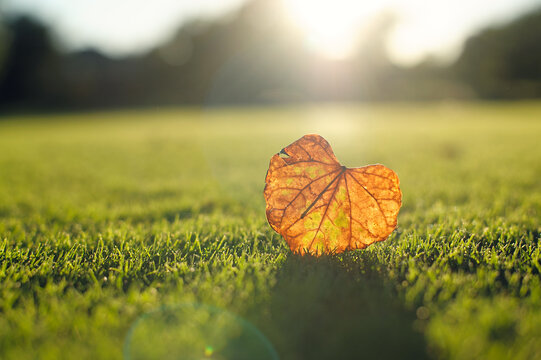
x,y
339,307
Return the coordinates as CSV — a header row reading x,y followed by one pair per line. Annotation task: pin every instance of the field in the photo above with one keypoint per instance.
x,y
107,216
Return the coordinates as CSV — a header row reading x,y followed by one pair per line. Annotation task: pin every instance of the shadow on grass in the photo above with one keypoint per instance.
x,y
339,308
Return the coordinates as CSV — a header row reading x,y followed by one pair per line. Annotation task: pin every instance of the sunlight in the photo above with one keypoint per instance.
x,y
332,27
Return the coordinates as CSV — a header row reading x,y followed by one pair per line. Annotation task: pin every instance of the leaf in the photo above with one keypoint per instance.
x,y
322,207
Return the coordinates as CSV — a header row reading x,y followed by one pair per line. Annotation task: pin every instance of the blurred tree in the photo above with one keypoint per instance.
x,y
505,61
29,64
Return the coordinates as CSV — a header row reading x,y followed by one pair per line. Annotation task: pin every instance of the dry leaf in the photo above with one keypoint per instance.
x,y
322,207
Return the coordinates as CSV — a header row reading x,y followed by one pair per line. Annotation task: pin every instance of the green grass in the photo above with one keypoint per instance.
x,y
107,216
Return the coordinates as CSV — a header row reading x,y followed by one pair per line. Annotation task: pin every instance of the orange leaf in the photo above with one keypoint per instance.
x,y
322,207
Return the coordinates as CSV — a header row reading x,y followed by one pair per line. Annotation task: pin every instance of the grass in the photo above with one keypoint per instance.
x,y
107,216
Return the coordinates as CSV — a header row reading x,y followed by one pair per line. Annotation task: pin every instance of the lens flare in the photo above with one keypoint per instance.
x,y
195,331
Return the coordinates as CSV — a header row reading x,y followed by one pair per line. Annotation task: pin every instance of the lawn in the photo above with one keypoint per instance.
x,y
106,217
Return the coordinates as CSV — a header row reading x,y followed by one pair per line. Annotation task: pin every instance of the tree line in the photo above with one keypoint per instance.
x,y
258,57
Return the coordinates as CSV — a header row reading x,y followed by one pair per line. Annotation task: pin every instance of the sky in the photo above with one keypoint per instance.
x,y
424,27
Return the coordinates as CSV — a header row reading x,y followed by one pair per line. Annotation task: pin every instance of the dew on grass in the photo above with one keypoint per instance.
x,y
195,331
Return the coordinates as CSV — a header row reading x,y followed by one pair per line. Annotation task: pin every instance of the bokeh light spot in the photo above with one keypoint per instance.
x,y
208,351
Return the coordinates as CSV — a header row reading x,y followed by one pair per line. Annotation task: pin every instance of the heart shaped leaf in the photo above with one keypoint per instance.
x,y
322,207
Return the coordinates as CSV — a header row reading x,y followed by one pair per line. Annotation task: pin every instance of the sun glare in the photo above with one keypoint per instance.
x,y
332,27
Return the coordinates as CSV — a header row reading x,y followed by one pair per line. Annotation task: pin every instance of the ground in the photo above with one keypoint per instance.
x,y
107,216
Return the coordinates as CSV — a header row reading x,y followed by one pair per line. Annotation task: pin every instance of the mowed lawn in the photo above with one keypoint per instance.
x,y
107,216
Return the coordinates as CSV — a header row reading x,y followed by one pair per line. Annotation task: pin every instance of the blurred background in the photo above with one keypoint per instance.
x,y
62,54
